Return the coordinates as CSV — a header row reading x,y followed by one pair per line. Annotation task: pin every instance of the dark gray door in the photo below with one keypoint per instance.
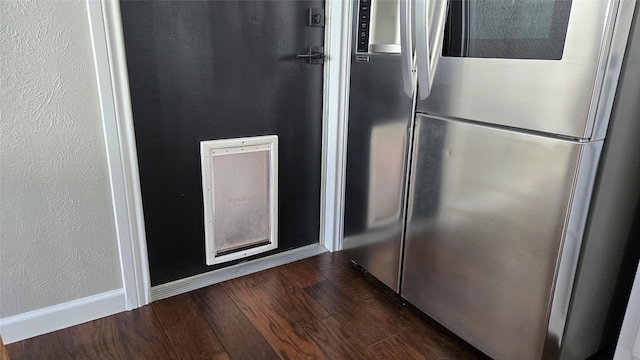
x,y
204,70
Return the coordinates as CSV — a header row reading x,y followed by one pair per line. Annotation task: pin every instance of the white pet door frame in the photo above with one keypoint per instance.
x,y
240,193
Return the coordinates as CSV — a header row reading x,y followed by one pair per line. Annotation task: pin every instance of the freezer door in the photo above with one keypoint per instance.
x,y
531,64
486,219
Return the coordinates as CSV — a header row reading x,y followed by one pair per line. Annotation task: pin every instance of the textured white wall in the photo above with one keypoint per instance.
x,y
57,232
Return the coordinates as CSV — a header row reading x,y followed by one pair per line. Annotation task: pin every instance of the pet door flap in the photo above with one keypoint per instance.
x,y
239,179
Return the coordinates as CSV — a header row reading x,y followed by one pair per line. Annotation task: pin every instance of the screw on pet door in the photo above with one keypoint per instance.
x,y
239,184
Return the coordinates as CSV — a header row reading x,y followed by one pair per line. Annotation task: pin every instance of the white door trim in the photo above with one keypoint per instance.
x,y
113,84
117,119
337,75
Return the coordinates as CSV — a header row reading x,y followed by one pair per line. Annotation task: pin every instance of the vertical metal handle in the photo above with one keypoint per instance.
x,y
406,46
422,49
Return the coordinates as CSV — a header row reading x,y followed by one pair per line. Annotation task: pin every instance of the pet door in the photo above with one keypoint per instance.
x,y
239,184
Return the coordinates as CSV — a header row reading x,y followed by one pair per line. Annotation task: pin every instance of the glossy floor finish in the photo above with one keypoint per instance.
x,y
318,308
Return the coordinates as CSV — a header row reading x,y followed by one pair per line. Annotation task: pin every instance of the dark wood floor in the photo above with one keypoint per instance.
x,y
318,308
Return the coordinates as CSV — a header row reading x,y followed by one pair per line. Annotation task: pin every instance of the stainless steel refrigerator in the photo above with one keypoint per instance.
x,y
475,134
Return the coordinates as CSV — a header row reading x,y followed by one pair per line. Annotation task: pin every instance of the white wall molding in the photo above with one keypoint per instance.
x,y
335,114
46,320
113,85
201,280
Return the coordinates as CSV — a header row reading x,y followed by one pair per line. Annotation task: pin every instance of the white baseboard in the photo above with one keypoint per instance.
x,y
213,277
33,323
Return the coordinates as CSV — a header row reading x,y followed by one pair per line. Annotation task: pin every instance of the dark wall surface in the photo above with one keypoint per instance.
x,y
204,70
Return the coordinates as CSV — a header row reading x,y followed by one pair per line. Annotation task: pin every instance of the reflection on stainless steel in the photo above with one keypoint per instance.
x,y
487,211
406,44
422,49
377,245
385,27
386,180
377,153
430,18
552,96
385,48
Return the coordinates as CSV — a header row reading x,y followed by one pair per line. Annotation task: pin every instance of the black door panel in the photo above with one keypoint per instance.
x,y
203,70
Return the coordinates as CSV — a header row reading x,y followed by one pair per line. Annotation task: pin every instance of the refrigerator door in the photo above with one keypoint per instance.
x,y
377,153
487,216
531,64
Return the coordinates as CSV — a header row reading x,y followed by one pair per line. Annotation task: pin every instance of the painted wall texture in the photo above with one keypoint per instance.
x,y
57,232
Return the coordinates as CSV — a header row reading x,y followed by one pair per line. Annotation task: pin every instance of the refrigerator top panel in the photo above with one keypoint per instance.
x,y
531,64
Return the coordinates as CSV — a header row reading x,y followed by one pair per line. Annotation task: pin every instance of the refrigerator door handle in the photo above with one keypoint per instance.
x,y
422,48
406,46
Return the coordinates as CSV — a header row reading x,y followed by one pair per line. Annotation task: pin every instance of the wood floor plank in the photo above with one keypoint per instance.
x,y
16,350
300,275
142,335
54,345
237,334
287,338
394,348
431,338
325,262
221,356
338,268
187,330
428,338
348,313
384,310
351,282
336,341
298,305
97,340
